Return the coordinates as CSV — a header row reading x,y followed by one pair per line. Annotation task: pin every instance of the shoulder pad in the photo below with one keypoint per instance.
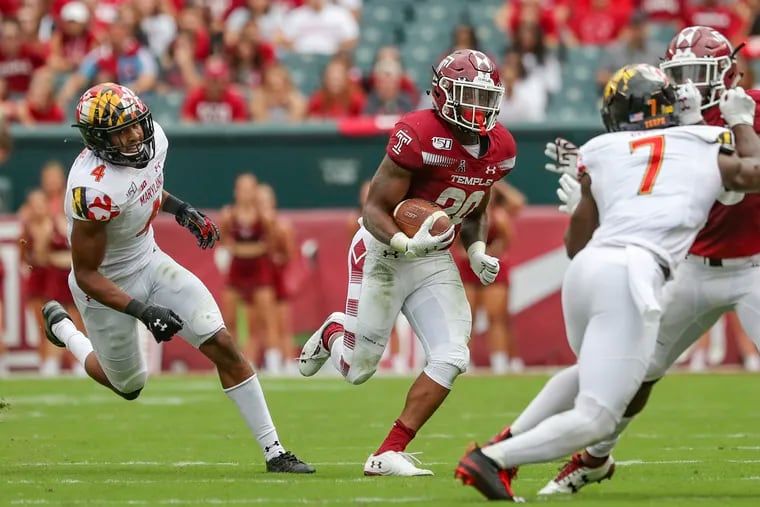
x,y
92,204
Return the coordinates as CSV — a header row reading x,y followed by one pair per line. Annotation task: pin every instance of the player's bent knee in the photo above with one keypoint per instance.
x,y
442,373
598,421
356,376
130,396
130,388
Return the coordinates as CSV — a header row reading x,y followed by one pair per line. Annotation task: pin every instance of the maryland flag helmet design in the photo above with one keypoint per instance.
x,y
639,97
104,110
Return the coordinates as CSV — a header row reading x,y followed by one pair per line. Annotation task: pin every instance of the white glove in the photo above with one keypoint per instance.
x,y
564,155
422,243
482,264
569,192
689,103
737,108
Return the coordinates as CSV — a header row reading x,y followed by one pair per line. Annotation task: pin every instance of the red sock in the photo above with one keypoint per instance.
x,y
331,329
398,438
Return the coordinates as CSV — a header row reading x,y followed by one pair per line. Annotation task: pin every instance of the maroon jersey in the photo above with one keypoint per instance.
x,y
731,231
443,171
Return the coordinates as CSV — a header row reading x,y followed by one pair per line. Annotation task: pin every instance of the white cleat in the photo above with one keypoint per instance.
x,y
575,475
394,463
313,354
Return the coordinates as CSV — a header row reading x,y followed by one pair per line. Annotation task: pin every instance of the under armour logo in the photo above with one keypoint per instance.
x,y
491,169
376,464
275,445
159,325
390,253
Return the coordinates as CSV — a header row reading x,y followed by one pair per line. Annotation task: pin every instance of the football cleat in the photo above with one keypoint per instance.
x,y
394,463
481,472
314,354
288,463
575,475
511,473
53,312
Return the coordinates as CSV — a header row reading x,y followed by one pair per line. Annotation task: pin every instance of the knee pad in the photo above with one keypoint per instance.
x,y
130,396
358,376
598,421
131,385
455,354
442,373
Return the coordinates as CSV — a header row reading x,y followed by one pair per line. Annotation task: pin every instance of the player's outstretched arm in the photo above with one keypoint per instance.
x,y
739,110
584,221
202,227
388,187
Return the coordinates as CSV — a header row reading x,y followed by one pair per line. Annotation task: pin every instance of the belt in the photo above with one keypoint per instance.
x,y
753,260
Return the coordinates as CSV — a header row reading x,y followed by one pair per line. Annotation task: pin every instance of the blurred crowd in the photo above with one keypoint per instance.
x,y
228,59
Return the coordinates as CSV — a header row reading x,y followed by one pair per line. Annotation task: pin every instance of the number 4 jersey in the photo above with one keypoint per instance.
x,y
443,170
126,197
655,188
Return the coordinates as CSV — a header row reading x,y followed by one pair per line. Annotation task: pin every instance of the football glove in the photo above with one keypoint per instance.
x,y
422,243
204,230
737,108
482,264
162,322
569,193
564,156
689,103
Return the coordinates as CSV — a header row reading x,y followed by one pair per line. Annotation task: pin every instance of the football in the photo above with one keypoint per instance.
x,y
410,214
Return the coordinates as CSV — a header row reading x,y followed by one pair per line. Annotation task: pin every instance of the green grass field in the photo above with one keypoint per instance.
x,y
70,442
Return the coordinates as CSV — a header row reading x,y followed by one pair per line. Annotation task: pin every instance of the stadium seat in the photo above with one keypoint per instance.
x,y
305,70
165,107
661,33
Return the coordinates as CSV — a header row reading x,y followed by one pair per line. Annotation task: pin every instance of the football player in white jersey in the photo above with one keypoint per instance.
x,y
119,275
643,201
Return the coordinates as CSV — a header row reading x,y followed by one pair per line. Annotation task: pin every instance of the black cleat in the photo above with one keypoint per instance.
x,y
288,463
53,312
479,471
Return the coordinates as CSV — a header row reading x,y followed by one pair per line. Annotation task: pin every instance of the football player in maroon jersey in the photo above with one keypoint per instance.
x,y
450,154
722,270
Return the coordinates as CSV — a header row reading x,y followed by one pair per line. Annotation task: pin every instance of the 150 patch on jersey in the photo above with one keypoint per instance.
x,y
92,204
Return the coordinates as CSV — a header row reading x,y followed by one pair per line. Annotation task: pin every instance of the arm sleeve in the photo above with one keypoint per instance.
x,y
404,147
92,204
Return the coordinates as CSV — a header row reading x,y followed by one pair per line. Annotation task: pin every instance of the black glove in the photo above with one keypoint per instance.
x,y
205,231
161,322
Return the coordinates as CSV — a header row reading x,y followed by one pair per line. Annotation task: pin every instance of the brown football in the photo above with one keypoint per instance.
x,y
410,214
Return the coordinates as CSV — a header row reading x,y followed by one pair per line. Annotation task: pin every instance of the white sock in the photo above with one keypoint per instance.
x,y
336,351
604,448
499,362
77,343
273,360
249,399
558,395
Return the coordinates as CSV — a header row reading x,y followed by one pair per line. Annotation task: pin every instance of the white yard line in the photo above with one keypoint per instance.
x,y
231,501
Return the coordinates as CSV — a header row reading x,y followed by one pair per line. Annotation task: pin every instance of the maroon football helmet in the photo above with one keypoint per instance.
x,y
467,90
704,56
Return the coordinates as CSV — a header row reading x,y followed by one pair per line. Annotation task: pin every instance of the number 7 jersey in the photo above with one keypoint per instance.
x,y
443,171
126,197
655,188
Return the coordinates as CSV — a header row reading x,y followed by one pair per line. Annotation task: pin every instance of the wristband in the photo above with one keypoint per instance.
x,y
135,308
172,205
478,247
399,242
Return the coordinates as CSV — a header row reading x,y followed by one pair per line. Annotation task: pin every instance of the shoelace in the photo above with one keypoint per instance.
x,y
290,457
570,467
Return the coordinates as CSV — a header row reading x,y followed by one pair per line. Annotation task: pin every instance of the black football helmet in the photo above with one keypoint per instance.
x,y
639,97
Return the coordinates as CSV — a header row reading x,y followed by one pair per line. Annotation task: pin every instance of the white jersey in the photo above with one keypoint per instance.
x,y
655,188
126,197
